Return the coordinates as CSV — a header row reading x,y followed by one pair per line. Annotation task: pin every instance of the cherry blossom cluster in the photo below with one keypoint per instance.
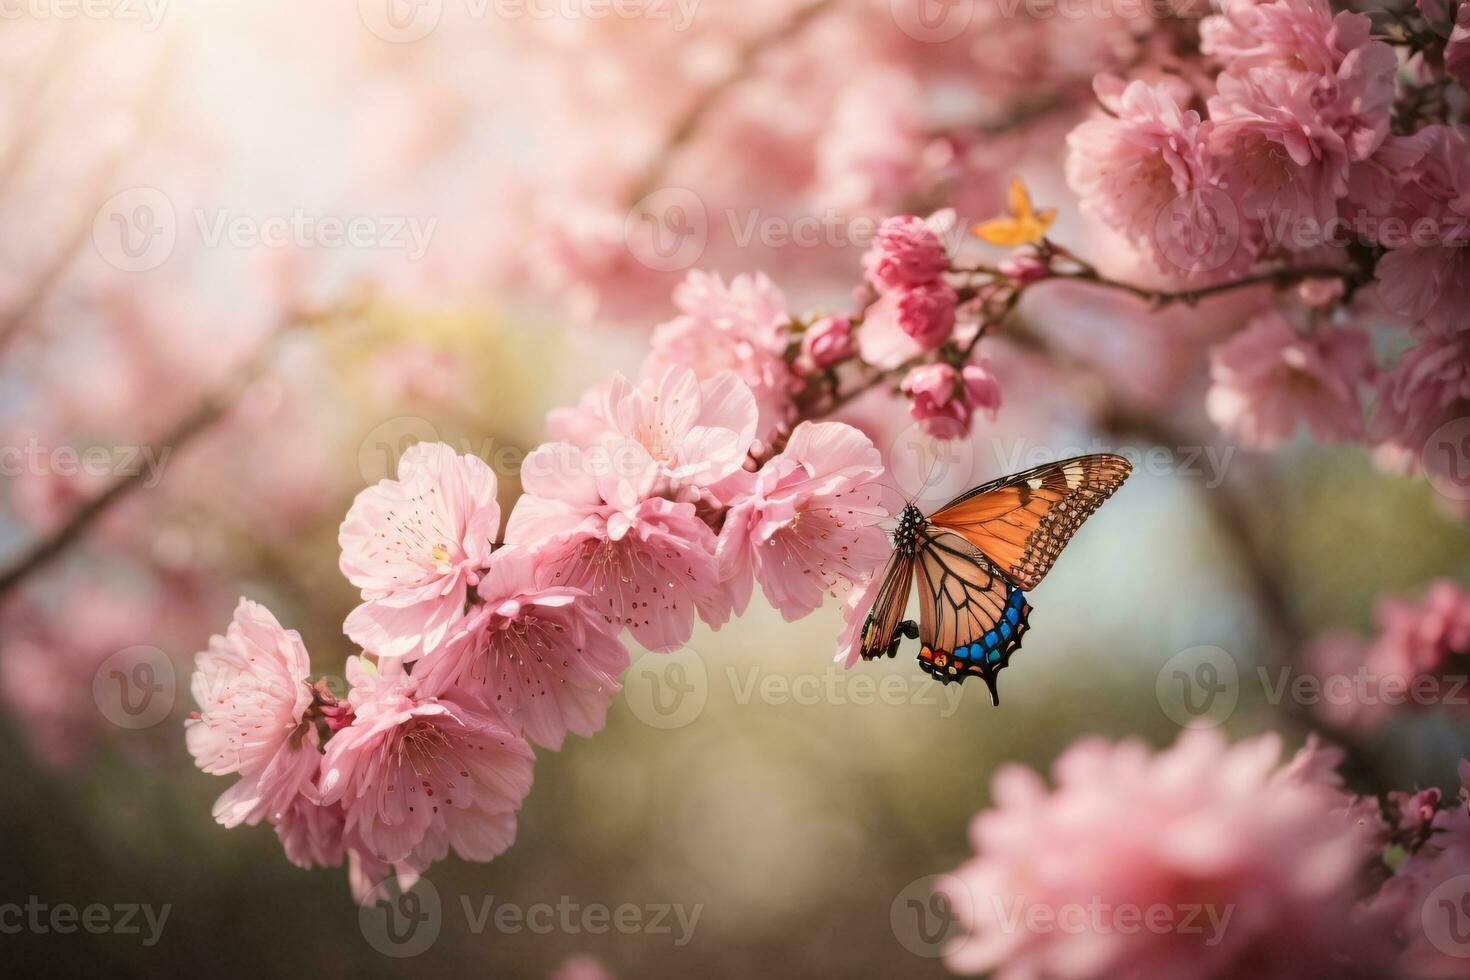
x,y
1209,860
1310,138
661,500
1418,659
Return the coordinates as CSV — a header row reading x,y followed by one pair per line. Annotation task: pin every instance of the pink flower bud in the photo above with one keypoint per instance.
x,y
926,313
906,252
825,343
1024,268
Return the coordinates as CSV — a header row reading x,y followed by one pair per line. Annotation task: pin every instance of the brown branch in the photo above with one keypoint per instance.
x,y
205,415
148,108
693,117
1190,297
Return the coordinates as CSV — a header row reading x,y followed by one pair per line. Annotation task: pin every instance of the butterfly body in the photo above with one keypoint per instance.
x,y
975,558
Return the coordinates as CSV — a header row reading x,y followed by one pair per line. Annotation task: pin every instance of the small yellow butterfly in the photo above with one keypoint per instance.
x,y
1024,226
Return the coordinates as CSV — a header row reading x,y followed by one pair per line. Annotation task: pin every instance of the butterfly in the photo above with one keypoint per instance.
x,y
975,559
1023,226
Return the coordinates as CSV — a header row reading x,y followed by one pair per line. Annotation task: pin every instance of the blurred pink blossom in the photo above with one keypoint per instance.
x,y
1429,386
1270,377
1129,168
741,326
1273,857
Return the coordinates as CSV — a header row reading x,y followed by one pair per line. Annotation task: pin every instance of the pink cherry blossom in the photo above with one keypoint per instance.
x,y
311,834
1273,856
690,434
1128,169
1425,638
741,327
809,521
538,654
854,615
1429,386
251,688
1427,274
1420,905
1302,34
870,152
647,562
1271,377
415,546
418,775
827,342
942,400
907,322
905,253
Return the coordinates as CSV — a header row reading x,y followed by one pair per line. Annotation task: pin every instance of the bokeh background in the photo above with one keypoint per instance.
x,y
177,185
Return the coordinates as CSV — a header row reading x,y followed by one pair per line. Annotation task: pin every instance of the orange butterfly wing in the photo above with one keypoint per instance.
x,y
887,610
1023,521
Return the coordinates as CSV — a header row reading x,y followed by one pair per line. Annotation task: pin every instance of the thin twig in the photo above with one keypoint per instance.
x,y
688,124
206,414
